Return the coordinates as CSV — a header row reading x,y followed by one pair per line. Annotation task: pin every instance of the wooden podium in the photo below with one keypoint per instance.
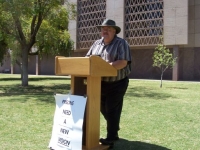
x,y
86,73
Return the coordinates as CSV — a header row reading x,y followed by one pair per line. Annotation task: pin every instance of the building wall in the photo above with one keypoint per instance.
x,y
5,65
190,53
175,22
194,24
181,21
181,28
46,65
189,64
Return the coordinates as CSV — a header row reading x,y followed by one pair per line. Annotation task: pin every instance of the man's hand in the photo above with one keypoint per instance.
x,y
119,64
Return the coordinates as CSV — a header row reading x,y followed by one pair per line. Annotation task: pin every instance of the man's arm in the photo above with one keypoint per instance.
x,y
119,64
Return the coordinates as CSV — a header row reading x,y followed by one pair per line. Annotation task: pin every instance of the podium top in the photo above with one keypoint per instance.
x,y
83,66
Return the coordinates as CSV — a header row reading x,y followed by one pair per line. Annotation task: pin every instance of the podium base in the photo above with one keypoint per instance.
x,y
100,147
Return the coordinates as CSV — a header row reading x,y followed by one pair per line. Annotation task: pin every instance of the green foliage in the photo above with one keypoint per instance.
x,y
53,37
48,19
29,8
16,53
3,49
3,42
163,58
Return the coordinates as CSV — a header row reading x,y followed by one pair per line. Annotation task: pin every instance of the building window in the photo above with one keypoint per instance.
x,y
90,14
143,22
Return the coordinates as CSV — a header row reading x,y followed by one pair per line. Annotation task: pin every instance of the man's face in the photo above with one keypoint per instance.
x,y
108,33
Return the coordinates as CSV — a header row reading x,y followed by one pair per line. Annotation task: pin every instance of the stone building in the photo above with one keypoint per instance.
x,y
143,22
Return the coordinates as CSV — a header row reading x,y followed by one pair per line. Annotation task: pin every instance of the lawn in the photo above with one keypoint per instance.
x,y
153,118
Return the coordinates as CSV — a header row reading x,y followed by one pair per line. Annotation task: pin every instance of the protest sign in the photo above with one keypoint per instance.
x,y
68,121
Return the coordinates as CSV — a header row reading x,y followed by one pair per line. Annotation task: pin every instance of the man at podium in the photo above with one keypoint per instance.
x,y
116,52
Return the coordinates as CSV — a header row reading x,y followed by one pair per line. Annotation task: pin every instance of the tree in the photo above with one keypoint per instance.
x,y
39,23
163,59
3,47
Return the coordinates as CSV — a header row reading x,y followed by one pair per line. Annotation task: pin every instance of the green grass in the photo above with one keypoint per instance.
x,y
153,118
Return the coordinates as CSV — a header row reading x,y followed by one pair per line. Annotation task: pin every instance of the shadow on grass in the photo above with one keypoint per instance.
x,y
142,91
41,93
8,89
36,79
136,145
181,88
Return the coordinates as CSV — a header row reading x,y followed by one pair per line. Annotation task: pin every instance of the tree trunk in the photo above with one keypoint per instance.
x,y
21,70
161,80
24,66
19,63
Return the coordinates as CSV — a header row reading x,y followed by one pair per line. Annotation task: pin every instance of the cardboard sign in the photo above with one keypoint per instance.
x,y
68,122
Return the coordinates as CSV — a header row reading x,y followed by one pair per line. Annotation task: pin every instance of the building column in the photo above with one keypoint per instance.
x,y
11,68
72,27
115,11
175,72
37,65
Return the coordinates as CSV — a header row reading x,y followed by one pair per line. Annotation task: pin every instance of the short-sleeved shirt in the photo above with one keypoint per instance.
x,y
118,49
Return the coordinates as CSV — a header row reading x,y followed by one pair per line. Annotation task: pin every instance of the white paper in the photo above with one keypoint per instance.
x,y
68,121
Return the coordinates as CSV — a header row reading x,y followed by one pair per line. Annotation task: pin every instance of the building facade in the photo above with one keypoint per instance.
x,y
143,22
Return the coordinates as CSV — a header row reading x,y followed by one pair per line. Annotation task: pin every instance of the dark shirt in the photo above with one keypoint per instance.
x,y
118,49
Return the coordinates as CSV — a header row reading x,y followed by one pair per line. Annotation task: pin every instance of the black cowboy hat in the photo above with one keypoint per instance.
x,y
110,23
